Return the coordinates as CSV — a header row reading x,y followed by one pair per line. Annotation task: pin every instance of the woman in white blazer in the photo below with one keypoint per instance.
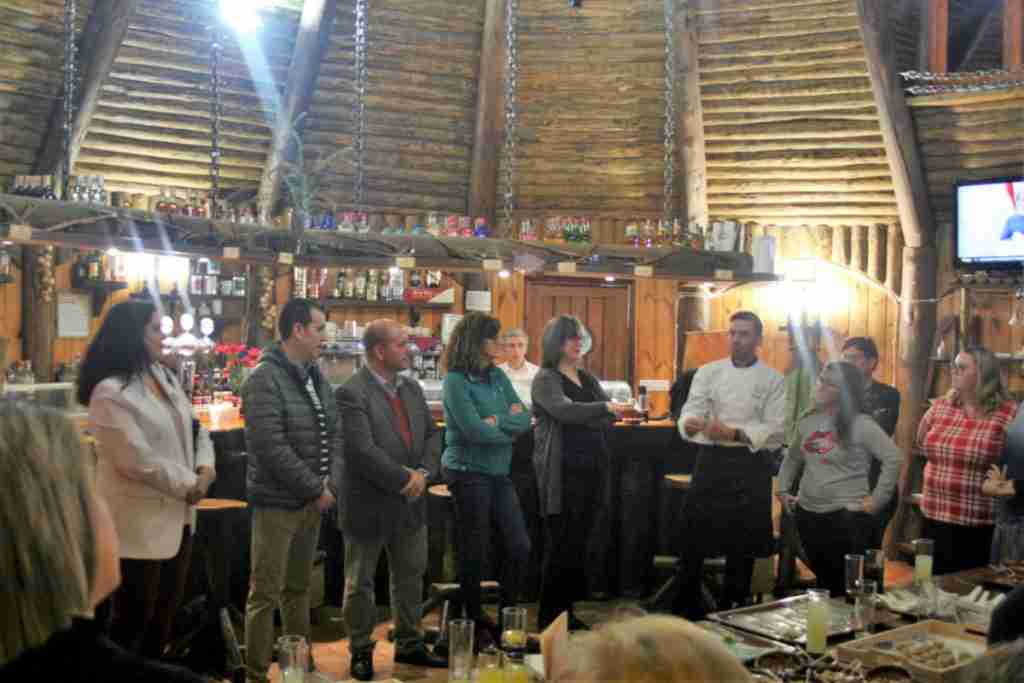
x,y
153,466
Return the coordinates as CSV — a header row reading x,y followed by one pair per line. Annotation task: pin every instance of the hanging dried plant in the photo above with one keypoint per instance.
x,y
46,280
304,177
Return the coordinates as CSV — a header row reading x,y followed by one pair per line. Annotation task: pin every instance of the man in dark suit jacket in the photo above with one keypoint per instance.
x,y
392,449
883,404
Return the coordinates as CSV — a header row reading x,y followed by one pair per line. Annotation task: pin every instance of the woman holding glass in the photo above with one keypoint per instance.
x,y
483,416
572,461
963,435
835,444
154,465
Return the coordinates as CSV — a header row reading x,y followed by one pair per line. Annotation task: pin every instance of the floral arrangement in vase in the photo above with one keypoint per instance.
x,y
238,360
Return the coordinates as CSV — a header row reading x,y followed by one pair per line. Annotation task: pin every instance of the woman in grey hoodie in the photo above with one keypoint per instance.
x,y
834,444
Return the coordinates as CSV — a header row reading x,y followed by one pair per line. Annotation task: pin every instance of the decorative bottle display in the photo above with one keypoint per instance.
x,y
339,284
359,292
372,285
349,291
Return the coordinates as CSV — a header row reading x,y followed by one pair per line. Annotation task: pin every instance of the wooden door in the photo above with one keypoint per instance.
x,y
603,308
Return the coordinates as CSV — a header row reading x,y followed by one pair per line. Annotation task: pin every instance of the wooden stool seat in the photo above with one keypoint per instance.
x,y
679,482
439,490
207,504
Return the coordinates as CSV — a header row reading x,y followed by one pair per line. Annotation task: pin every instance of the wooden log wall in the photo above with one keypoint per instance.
x,y
423,59
151,128
790,124
591,110
986,51
10,312
31,59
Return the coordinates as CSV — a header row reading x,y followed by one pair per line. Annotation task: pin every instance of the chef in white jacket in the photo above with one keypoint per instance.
x,y
735,414
154,463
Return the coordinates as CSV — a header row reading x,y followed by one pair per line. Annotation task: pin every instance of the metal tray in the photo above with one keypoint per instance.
x,y
744,645
785,620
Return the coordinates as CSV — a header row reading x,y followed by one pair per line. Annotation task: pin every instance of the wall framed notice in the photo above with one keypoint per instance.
x,y
73,315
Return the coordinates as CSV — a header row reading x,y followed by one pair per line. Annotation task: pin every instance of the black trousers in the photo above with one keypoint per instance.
x,y
828,537
739,570
147,599
958,547
566,537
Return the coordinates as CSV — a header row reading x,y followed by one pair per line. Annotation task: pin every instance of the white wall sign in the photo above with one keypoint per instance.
x,y
73,315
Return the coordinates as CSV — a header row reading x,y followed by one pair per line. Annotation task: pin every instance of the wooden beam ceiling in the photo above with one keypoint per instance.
x,y
315,28
101,40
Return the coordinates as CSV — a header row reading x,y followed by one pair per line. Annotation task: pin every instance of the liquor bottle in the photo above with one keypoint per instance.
x,y
480,228
372,285
81,268
632,235
240,283
434,224
100,197
396,287
677,233
300,282
433,279
347,222
313,283
48,192
339,284
664,237
360,288
650,233
415,279
585,231
94,266
171,205
349,291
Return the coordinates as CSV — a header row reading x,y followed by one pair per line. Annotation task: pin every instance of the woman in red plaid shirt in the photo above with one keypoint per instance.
x,y
963,435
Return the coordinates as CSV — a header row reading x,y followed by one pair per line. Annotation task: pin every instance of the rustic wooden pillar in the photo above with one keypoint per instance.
x,y
1013,34
894,259
39,315
692,157
315,26
876,242
693,309
490,117
858,247
933,51
101,41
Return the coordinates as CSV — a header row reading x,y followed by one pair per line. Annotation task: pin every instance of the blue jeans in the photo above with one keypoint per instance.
x,y
483,502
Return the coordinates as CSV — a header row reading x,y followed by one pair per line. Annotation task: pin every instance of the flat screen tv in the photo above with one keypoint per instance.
x,y
990,224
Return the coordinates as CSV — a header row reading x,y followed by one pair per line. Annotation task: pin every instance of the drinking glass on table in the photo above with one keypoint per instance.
x,y
818,619
293,658
460,649
924,551
874,567
854,575
488,666
513,632
864,607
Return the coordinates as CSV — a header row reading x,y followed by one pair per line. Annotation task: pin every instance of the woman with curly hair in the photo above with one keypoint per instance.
x,y
962,435
483,416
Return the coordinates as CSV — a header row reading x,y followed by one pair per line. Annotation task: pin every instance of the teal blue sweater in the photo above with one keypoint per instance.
x,y
472,445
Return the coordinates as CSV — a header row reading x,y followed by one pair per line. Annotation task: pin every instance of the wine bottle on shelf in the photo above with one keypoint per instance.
x,y
372,285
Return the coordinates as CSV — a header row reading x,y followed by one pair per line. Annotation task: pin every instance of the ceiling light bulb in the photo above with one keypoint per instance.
x,y
504,273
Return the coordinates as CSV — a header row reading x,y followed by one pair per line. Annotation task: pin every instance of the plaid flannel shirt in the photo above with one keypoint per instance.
x,y
960,450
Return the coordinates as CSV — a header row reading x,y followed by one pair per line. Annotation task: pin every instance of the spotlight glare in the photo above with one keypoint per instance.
x,y
504,274
609,278
242,15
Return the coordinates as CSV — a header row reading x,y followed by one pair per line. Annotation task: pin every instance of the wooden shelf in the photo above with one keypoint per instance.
x,y
361,303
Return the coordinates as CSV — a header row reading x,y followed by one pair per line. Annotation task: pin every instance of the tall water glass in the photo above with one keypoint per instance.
x,y
818,619
293,658
513,631
854,575
460,649
874,567
924,551
864,607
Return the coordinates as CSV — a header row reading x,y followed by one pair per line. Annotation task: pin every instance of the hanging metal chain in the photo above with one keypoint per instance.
x,y
216,114
511,112
360,113
70,81
973,81
668,209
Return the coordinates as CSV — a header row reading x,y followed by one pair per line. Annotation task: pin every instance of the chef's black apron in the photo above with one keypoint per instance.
x,y
728,509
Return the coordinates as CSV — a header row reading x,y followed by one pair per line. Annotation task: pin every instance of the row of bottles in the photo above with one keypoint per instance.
x,y
88,189
39,186
206,279
437,225
181,202
664,235
557,229
20,372
99,266
373,284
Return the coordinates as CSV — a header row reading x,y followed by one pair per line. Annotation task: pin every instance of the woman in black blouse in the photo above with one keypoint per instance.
x,y
572,462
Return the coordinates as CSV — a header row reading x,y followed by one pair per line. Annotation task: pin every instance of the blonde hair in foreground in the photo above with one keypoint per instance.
x,y
653,649
47,544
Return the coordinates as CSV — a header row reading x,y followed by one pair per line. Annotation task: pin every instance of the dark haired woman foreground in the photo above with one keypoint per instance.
x,y
483,416
58,560
152,468
834,447
572,461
